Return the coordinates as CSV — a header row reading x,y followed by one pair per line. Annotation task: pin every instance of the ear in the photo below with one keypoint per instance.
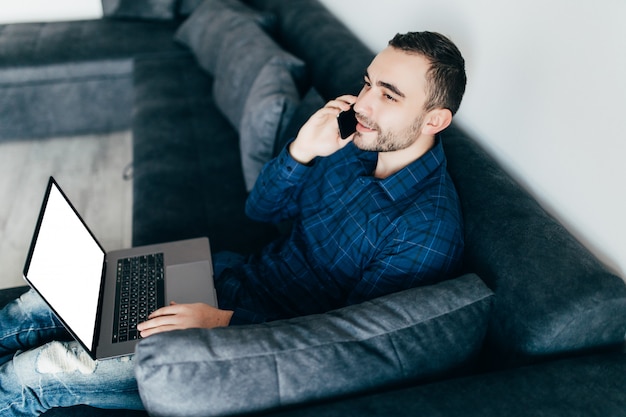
x,y
436,121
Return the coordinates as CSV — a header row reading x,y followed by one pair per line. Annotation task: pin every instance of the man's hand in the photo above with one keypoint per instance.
x,y
184,316
319,136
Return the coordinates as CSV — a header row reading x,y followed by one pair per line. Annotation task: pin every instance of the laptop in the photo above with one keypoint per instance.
x,y
93,292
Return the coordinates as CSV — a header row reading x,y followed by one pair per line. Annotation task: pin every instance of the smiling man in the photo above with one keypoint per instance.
x,y
372,214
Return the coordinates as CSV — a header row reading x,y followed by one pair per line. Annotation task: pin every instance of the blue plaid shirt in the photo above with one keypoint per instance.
x,y
354,237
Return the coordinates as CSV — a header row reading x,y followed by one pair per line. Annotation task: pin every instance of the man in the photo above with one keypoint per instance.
x,y
373,214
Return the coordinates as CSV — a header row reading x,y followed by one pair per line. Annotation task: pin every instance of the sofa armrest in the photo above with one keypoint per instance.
x,y
408,336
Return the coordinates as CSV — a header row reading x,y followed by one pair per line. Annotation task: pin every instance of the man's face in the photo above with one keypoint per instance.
x,y
390,105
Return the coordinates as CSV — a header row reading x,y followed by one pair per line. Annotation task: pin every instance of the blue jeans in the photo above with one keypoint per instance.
x,y
42,367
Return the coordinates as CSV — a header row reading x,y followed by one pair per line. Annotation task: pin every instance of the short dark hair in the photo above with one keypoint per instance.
x,y
446,77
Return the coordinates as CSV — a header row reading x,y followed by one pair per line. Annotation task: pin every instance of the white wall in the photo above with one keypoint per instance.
x,y
12,11
546,93
546,96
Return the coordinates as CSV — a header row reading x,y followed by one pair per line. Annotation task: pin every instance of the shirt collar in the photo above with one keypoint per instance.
x,y
409,177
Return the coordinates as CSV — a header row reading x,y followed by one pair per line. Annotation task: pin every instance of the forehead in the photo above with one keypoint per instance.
x,y
404,70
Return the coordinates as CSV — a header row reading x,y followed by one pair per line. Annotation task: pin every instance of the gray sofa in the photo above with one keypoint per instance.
x,y
535,325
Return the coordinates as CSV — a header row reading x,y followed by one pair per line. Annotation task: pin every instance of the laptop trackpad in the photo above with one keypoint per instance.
x,y
190,283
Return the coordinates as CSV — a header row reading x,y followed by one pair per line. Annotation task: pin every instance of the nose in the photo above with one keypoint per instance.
x,y
362,104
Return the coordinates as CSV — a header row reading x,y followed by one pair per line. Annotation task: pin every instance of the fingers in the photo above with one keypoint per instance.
x,y
163,319
347,98
184,316
165,311
157,325
341,103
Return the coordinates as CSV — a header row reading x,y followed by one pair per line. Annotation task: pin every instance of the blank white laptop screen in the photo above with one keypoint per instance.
x,y
66,267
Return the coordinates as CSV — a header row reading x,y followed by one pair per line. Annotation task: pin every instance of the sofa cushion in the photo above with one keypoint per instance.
x,y
56,100
204,31
244,52
268,109
187,7
69,43
407,336
336,59
140,9
310,103
188,180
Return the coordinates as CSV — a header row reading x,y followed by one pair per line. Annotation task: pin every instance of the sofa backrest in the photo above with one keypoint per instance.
x,y
552,295
335,58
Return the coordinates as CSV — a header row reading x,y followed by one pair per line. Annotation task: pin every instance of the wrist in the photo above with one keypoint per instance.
x,y
224,317
298,154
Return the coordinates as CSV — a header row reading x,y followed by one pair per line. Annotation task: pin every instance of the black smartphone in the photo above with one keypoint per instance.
x,y
347,123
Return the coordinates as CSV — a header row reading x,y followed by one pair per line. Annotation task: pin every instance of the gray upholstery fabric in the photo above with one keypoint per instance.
x,y
51,100
587,386
335,58
552,295
140,9
68,43
186,7
68,78
268,109
65,72
205,30
310,103
184,145
243,54
407,336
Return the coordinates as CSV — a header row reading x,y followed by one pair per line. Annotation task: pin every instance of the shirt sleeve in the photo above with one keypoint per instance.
x,y
431,254
274,197
242,316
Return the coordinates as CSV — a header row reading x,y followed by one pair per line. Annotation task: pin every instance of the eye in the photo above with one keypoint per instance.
x,y
390,98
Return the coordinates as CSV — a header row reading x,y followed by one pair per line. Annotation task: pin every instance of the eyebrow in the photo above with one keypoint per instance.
x,y
388,86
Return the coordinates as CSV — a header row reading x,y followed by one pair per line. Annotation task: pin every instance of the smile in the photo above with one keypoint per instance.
x,y
365,125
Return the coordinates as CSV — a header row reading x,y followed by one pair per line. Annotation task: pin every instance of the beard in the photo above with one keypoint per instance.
x,y
387,140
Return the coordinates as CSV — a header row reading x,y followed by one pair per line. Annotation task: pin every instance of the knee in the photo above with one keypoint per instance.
x,y
62,374
63,357
45,377
54,360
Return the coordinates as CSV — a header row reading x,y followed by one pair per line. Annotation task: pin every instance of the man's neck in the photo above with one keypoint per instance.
x,y
391,162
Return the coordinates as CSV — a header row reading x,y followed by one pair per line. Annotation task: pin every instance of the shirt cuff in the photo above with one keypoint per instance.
x,y
291,169
241,316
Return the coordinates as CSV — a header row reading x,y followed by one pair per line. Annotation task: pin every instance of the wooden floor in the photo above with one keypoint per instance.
x,y
88,168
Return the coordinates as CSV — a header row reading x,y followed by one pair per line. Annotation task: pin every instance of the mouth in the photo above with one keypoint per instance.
x,y
364,125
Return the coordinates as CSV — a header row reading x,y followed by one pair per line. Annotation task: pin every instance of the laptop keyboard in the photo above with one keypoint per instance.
x,y
140,291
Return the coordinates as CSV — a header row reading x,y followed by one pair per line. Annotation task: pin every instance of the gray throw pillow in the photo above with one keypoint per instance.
x,y
206,29
139,9
411,335
269,106
310,103
186,7
244,52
